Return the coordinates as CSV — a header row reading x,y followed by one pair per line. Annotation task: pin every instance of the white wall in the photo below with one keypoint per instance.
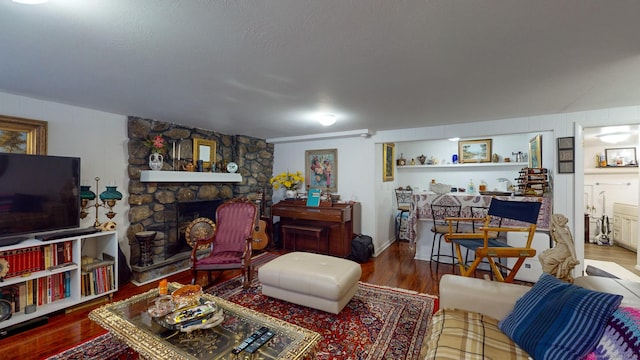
x,y
98,138
355,170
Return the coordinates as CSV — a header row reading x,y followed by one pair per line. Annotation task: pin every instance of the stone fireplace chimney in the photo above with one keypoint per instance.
x,y
157,206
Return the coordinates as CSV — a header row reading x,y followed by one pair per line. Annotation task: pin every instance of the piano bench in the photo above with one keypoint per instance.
x,y
305,238
317,281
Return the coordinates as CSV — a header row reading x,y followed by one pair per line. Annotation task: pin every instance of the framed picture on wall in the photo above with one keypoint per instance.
x,y
474,151
321,169
566,155
535,152
621,157
387,161
23,136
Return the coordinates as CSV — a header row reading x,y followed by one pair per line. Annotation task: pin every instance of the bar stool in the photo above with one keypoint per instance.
x,y
403,200
439,213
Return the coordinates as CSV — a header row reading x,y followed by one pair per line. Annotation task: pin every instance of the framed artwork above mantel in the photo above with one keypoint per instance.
x,y
23,136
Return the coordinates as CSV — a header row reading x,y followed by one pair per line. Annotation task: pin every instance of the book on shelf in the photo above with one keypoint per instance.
x,y
37,258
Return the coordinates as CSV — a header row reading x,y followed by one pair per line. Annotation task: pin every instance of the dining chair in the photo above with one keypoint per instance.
x,y
403,203
229,242
487,245
440,213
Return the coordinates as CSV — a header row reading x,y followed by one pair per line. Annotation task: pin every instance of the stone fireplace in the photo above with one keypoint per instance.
x,y
165,207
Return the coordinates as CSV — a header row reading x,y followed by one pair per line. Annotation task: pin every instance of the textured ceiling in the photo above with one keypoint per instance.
x,y
264,67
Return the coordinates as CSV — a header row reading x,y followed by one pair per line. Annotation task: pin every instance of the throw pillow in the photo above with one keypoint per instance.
x,y
558,320
621,339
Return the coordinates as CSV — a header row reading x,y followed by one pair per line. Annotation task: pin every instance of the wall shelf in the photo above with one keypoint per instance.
x,y
463,166
611,170
188,177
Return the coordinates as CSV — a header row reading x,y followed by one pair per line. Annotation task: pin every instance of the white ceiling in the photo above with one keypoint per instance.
x,y
262,67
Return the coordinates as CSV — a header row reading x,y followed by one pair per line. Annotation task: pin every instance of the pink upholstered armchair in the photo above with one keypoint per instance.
x,y
230,243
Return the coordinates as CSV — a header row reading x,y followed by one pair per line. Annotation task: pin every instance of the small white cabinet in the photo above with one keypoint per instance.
x,y
625,225
49,288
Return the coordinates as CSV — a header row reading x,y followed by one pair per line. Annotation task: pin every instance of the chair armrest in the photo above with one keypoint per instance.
x,y
492,298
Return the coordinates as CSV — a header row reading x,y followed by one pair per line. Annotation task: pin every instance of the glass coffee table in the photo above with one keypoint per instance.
x,y
129,321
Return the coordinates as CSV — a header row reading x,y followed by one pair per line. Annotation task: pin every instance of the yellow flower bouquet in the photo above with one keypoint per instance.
x,y
287,180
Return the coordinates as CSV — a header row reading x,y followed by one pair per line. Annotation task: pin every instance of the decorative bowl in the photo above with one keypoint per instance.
x,y
440,188
188,295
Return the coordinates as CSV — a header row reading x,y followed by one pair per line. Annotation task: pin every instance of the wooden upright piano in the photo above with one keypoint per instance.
x,y
325,229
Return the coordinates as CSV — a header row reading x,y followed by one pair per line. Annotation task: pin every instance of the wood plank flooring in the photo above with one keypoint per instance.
x,y
617,254
394,267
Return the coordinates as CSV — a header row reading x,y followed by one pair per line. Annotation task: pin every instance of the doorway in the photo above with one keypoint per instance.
x,y
610,183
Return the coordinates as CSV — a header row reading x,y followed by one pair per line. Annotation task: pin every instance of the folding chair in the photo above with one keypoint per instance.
x,y
491,248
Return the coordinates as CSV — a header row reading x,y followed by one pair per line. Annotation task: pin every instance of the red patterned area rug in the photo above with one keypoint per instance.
x,y
101,347
378,323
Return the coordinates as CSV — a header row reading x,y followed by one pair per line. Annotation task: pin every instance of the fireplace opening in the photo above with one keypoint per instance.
x,y
187,212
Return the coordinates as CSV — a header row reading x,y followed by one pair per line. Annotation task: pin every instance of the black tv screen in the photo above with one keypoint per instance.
x,y
38,193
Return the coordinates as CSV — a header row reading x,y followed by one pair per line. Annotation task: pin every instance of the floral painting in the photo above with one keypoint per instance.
x,y
322,169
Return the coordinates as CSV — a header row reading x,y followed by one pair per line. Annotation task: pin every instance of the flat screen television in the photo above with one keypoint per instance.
x,y
38,194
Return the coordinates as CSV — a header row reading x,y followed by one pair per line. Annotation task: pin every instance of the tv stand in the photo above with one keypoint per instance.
x,y
12,240
69,282
67,233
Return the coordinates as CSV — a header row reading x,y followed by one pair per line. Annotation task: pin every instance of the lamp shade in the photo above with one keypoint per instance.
x,y
110,194
86,193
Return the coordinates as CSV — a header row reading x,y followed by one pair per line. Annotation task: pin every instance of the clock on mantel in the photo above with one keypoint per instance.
x,y
187,176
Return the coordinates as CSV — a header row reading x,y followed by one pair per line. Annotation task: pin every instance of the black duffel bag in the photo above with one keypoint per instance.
x,y
361,248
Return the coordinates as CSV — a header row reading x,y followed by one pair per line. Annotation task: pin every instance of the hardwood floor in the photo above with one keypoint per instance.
x,y
619,255
394,267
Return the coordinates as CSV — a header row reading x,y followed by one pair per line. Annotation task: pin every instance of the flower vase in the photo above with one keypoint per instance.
x,y
155,161
290,194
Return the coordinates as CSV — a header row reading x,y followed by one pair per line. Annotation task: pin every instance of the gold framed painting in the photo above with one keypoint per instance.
x,y
474,151
23,136
535,152
321,169
204,150
387,161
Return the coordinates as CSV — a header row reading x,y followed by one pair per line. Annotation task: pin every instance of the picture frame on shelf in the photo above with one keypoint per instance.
x,y
621,157
321,169
535,152
566,155
388,155
23,136
474,151
204,150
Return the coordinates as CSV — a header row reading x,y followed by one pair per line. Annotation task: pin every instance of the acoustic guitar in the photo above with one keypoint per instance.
x,y
259,236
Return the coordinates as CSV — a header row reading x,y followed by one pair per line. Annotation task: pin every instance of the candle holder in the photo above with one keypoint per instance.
x,y
107,198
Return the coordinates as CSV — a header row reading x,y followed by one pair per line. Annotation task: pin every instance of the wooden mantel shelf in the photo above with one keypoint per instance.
x,y
186,176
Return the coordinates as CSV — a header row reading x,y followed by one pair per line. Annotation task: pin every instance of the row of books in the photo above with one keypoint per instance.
x,y
41,291
97,277
36,258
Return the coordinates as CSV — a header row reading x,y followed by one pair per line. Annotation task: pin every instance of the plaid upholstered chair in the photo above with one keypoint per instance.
x,y
230,243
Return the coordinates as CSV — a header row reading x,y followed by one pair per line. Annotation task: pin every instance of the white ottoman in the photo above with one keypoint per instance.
x,y
318,281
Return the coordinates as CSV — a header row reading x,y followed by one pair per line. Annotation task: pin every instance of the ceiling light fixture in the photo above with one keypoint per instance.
x,y
31,2
327,119
613,138
454,139
614,134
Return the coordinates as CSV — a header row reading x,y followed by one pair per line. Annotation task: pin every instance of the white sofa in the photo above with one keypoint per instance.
x,y
477,305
